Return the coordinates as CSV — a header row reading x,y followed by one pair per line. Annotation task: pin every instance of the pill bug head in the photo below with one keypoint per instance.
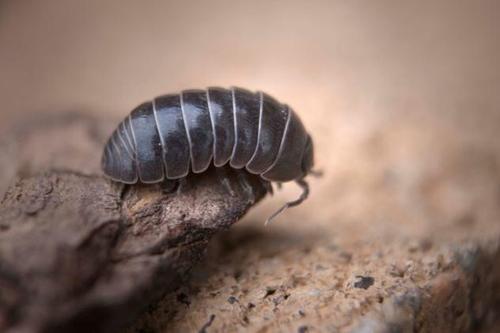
x,y
306,168
308,157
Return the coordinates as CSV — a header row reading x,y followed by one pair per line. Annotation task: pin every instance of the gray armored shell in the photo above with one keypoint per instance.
x,y
173,134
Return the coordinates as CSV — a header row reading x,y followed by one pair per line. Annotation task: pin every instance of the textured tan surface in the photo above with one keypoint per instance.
x,y
79,253
402,100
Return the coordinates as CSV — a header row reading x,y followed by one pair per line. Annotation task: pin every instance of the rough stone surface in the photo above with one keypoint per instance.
x,y
79,253
401,98
405,240
405,246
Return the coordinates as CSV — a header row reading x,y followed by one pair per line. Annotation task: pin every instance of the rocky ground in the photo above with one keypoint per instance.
x,y
405,239
402,232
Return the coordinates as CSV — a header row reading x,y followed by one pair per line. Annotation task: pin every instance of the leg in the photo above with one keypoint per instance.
x,y
169,186
305,193
316,173
267,185
243,180
223,177
181,183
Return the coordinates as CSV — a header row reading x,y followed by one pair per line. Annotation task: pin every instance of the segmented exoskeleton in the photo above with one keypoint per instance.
x,y
173,134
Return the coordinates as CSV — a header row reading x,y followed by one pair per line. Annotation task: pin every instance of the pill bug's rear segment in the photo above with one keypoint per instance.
x,y
173,134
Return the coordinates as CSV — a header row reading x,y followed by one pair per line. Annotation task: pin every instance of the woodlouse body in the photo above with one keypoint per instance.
x,y
176,133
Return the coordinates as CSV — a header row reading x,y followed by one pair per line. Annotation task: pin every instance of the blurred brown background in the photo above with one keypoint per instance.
x,y
401,76
401,97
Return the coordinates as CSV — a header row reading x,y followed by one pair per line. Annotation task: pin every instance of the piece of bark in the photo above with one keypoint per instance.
x,y
80,253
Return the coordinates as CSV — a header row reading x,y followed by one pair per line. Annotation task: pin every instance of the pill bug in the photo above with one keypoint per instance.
x,y
167,137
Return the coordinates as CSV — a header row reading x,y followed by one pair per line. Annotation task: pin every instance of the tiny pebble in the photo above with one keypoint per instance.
x,y
364,282
232,299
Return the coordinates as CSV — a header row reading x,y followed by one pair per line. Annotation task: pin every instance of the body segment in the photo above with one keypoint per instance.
x,y
148,144
272,124
173,135
198,127
176,133
288,164
247,109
